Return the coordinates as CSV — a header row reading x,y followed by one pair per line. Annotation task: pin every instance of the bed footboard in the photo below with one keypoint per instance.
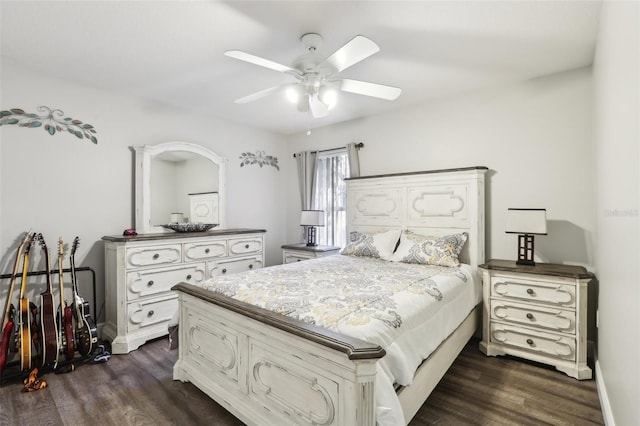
x,y
266,368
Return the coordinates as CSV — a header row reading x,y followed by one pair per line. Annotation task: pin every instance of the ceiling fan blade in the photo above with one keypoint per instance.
x,y
261,94
353,52
318,109
370,89
257,60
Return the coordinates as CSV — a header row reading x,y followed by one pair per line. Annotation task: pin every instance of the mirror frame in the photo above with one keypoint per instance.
x,y
143,156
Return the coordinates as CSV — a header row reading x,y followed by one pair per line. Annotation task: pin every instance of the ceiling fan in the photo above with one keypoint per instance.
x,y
318,84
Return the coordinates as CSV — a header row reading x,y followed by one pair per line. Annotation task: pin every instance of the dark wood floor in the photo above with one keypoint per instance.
x,y
137,389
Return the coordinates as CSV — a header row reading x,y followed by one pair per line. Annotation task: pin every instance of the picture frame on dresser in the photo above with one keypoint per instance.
x,y
537,312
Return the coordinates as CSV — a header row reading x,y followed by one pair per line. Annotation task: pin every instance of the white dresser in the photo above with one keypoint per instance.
x,y
538,313
140,271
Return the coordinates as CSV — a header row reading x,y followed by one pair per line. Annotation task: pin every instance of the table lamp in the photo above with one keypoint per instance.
x,y
526,223
311,219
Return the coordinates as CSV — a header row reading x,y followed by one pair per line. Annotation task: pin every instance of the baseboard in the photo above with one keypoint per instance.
x,y
605,405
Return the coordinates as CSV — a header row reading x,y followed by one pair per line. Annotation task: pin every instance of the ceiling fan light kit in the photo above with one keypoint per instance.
x,y
316,91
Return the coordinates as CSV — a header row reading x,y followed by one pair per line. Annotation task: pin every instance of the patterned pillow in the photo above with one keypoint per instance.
x,y
381,244
442,251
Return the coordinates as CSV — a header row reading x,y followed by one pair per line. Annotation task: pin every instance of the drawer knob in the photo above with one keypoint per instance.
x,y
246,246
150,283
156,256
530,342
530,316
224,271
530,292
189,277
251,266
150,313
206,250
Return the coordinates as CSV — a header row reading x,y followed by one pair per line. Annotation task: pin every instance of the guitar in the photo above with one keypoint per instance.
x,y
86,331
24,326
65,320
49,330
9,309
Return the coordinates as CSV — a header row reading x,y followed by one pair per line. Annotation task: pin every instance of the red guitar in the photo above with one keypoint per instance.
x,y
9,309
65,320
86,331
48,326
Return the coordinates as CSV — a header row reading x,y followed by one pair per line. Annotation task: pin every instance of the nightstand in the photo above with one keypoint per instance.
x,y
297,252
537,313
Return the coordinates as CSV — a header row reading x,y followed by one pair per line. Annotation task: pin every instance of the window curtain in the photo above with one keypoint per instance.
x,y
307,162
307,165
354,159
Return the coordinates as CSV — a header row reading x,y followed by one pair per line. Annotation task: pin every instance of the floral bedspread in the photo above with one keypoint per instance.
x,y
339,292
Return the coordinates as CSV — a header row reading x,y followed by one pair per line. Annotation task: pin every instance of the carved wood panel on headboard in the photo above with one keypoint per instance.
x,y
438,202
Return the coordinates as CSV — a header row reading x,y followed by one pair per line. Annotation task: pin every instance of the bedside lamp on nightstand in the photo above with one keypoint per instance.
x,y
311,219
527,223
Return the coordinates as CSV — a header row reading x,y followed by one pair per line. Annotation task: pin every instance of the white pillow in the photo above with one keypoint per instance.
x,y
441,251
381,244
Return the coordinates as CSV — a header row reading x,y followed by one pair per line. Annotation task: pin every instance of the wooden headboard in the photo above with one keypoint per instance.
x,y
436,202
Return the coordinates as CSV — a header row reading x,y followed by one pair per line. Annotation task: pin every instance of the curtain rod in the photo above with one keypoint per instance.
x,y
358,145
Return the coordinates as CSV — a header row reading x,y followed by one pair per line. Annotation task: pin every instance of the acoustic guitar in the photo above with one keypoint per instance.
x,y
86,331
24,326
9,309
49,330
65,315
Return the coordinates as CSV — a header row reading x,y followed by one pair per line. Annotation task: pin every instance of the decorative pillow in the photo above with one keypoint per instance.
x,y
441,251
381,244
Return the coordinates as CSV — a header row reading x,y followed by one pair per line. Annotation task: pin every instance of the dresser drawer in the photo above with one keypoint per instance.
x,y
150,313
548,344
245,246
534,291
202,251
227,267
150,282
151,256
550,318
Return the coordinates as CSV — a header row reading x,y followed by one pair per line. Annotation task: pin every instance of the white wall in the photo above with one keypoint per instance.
x,y
536,137
63,186
617,94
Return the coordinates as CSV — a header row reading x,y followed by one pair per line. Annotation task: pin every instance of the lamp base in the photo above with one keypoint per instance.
x,y
525,250
311,236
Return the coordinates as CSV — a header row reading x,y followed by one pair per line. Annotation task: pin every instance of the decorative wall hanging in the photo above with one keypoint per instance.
x,y
258,158
52,120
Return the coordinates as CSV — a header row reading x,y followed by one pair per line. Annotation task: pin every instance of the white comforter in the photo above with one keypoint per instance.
x,y
407,309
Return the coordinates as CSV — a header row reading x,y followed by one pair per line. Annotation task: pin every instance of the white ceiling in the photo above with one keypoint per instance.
x,y
172,51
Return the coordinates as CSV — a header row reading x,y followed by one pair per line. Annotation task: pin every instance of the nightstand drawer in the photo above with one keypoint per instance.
x,y
290,257
553,319
533,291
547,344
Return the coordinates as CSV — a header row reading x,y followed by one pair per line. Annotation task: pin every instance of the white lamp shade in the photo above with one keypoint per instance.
x,y
526,221
312,218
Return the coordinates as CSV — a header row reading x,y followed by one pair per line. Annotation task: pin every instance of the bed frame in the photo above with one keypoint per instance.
x,y
267,368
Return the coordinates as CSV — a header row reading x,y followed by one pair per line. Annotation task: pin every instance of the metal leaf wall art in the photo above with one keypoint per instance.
x,y
51,120
259,158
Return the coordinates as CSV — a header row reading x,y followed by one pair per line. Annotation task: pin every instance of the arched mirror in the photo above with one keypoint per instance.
x,y
178,181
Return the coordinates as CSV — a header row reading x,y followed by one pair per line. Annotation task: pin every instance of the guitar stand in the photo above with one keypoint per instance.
x,y
65,366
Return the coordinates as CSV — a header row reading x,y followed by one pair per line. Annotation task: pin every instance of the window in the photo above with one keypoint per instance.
x,y
331,196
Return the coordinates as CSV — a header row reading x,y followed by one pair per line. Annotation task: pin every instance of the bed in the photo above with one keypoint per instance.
x,y
270,368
